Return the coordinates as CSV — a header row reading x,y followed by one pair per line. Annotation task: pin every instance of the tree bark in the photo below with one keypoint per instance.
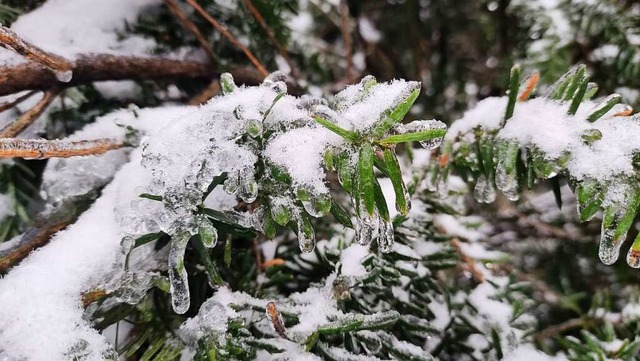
x,y
96,67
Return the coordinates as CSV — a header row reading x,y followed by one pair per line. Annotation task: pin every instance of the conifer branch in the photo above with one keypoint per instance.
x,y
9,39
28,117
223,30
41,148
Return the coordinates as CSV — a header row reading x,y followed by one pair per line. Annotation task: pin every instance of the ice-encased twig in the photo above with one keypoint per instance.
x,y
59,65
42,148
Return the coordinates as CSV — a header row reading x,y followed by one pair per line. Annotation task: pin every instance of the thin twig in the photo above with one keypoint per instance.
x,y
207,93
260,19
559,328
18,100
222,29
184,20
9,39
346,37
471,263
28,117
42,148
30,240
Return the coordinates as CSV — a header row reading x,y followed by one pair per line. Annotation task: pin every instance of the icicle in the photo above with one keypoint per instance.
x,y
306,235
484,190
179,284
364,229
385,236
506,174
609,244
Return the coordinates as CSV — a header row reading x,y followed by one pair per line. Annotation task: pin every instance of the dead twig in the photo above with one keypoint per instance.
x,y
207,93
56,63
42,148
260,19
346,38
186,23
18,100
30,240
28,117
223,30
471,263
98,67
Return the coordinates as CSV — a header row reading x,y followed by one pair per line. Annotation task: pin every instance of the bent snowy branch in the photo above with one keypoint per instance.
x,y
41,149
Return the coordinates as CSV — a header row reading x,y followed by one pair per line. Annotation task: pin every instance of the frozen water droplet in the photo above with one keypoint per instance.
x,y
179,284
63,75
208,233
385,236
421,126
507,182
249,190
127,243
484,190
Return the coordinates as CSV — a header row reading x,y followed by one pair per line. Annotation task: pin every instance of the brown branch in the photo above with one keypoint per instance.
x,y
207,93
42,148
260,19
471,263
30,240
97,67
186,23
346,37
58,64
558,329
18,100
222,29
28,117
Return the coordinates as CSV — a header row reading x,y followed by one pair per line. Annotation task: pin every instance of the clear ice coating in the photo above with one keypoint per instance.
x,y
208,233
421,126
484,191
179,284
365,227
609,250
385,236
306,235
